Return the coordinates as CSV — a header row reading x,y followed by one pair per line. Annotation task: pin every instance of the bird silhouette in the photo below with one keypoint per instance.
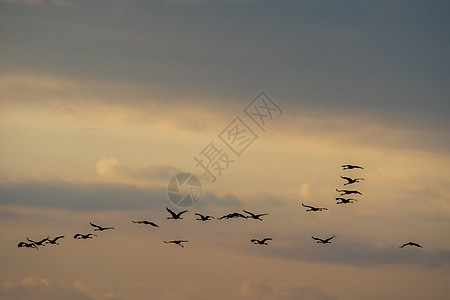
x,y
99,228
233,215
80,236
175,216
40,243
411,244
176,242
255,216
54,241
323,241
312,208
260,242
351,180
145,222
203,218
350,167
348,192
27,245
345,201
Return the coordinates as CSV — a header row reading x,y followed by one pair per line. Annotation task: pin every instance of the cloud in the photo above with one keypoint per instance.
x,y
348,250
97,196
285,291
82,196
35,288
228,200
112,169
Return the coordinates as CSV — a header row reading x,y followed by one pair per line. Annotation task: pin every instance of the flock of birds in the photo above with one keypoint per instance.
x,y
248,215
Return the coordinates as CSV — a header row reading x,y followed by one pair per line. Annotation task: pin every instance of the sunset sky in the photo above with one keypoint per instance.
x,y
103,102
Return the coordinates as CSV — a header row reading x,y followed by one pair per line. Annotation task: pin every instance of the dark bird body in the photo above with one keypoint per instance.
x,y
411,244
233,215
176,242
203,218
40,243
54,241
345,201
27,245
323,241
350,167
260,242
255,216
80,236
99,228
348,192
175,216
312,208
351,180
146,223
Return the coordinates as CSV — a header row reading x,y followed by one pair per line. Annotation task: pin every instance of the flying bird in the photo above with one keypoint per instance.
x,y
233,215
260,242
312,208
146,223
54,241
345,201
27,245
411,244
80,236
323,241
40,243
255,216
203,218
99,228
175,216
347,192
350,167
351,180
176,242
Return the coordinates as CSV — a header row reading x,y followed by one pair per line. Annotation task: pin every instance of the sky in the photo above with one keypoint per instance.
x,y
103,102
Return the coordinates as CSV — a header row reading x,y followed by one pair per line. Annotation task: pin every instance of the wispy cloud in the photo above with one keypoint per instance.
x,y
110,169
258,289
34,288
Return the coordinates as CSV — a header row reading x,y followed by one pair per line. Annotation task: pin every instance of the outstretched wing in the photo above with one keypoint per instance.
x,y
58,237
308,206
317,239
253,215
153,224
329,239
346,178
94,225
254,240
266,239
174,215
